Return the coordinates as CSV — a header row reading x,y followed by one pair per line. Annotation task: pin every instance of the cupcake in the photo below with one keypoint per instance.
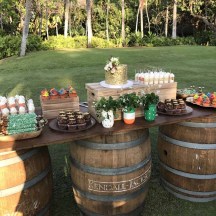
x,y
81,126
161,106
206,101
72,127
71,91
54,94
87,117
44,94
62,93
62,126
22,110
13,111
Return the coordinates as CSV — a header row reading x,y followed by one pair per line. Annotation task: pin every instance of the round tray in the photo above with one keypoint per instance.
x,y
184,96
53,125
20,136
188,110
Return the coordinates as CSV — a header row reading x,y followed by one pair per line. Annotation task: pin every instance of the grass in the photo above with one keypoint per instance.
x,y
29,75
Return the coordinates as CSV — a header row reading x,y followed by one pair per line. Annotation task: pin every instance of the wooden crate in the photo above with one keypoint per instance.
x,y
51,108
95,91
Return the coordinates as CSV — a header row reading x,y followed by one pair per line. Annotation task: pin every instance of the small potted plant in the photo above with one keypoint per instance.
x,y
106,110
128,103
149,102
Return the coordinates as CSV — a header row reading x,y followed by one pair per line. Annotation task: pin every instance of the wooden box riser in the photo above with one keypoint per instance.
x,y
95,92
51,108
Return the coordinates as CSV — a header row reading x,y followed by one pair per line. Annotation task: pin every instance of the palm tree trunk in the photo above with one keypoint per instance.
x,y
47,27
141,22
107,20
174,28
66,18
137,19
167,21
123,23
1,22
40,20
26,27
88,23
146,8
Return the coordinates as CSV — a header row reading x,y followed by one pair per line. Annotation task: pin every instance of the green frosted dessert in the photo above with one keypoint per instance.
x,y
21,123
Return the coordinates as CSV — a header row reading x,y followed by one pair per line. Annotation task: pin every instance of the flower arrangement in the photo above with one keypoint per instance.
x,y
105,105
112,64
129,102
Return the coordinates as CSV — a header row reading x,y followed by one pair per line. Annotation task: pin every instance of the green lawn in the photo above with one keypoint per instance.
x,y
29,75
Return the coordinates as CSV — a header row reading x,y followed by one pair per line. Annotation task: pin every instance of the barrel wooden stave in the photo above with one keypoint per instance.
x,y
26,182
111,181
187,159
187,156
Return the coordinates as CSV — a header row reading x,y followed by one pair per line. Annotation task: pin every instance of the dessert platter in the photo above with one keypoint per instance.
x,y
203,100
18,119
116,75
188,92
173,107
72,121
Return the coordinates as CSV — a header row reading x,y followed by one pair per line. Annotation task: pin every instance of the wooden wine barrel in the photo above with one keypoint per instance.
x,y
187,153
110,173
25,182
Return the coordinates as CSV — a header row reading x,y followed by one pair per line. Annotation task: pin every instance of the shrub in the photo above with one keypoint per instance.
x,y
34,43
9,46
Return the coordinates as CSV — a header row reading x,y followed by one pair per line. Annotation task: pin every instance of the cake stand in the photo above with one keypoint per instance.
x,y
126,85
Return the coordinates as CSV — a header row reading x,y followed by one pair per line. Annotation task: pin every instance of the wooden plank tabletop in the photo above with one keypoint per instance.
x,y
49,136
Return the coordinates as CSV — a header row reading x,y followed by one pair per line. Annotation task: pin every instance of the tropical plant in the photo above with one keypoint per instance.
x,y
129,102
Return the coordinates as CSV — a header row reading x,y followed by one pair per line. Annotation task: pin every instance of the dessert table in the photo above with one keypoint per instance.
x,y
105,174
49,136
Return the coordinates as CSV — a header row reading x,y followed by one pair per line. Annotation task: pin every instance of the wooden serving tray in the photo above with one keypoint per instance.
x,y
20,136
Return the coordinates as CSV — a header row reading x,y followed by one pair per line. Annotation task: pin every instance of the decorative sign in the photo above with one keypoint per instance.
x,y
119,186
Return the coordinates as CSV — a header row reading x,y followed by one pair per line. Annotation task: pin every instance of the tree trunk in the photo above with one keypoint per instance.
x,y
67,6
40,20
88,23
137,19
146,7
107,20
47,27
123,23
69,21
1,21
167,21
141,22
174,27
26,27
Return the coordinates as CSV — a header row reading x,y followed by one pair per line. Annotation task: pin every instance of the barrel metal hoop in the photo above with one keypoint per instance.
x,y
25,185
19,158
198,124
109,171
113,146
135,212
167,186
198,193
44,210
109,198
188,175
187,144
